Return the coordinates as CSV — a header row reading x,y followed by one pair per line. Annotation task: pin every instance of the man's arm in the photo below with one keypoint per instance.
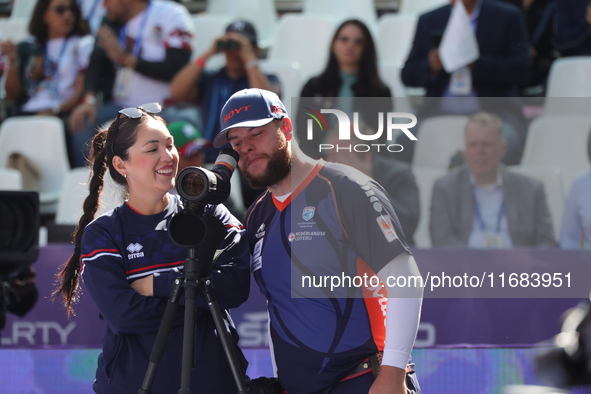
x,y
544,230
402,322
423,64
440,220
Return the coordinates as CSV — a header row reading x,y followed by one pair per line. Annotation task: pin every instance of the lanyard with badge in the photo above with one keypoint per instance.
x,y
125,74
51,70
491,240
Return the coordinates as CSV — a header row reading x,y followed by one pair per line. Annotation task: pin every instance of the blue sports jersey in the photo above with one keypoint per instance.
x,y
122,246
338,221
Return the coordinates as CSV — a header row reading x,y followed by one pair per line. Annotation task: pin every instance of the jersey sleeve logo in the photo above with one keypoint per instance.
x,y
387,227
308,213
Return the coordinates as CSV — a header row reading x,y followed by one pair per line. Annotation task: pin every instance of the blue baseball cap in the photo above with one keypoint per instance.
x,y
249,108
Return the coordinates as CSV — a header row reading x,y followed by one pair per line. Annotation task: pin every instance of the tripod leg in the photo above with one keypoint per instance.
x,y
188,335
161,338
223,334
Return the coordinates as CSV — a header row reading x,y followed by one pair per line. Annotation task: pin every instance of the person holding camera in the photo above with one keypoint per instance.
x,y
210,89
323,219
129,263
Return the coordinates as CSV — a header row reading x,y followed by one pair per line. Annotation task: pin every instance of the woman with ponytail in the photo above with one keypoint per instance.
x,y
128,263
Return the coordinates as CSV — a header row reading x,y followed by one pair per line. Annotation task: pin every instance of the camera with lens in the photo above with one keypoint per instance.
x,y
198,186
19,247
228,44
568,363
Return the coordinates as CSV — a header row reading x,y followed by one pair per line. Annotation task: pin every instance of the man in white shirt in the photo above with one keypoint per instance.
x,y
139,49
481,204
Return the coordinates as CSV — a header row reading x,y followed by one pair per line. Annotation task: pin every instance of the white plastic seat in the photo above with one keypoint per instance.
x,y
41,139
10,179
261,13
394,37
390,74
555,196
74,192
22,9
341,10
425,178
207,28
288,75
417,7
558,141
439,138
303,41
569,87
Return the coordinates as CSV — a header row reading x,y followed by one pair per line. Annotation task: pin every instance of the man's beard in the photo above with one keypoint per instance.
x,y
278,167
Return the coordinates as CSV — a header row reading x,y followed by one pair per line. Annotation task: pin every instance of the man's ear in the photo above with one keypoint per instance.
x,y
287,128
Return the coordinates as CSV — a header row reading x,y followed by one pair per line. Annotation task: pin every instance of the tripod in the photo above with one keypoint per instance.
x,y
196,274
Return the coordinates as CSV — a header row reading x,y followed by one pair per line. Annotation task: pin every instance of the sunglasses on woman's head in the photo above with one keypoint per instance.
x,y
135,113
62,9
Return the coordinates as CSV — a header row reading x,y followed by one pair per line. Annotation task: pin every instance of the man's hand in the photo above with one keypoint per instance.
x,y
80,115
588,13
247,51
435,61
108,40
144,286
8,49
391,380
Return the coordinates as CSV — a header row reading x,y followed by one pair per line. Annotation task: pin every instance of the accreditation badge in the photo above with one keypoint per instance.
x,y
493,241
123,83
461,82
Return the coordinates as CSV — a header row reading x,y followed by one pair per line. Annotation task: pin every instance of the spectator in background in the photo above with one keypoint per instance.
x,y
539,16
351,71
576,223
46,72
572,27
395,176
210,89
481,204
503,66
93,13
139,48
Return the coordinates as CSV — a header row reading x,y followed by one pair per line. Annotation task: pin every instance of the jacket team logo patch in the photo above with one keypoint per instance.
x,y
134,250
308,213
387,227
261,231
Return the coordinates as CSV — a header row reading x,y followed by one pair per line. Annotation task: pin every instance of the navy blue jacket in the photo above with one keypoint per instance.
x,y
123,246
504,61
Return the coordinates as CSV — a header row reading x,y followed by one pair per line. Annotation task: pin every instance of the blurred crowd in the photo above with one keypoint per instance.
x,y
84,60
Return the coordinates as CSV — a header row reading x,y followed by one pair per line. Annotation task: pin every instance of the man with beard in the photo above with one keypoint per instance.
x,y
326,339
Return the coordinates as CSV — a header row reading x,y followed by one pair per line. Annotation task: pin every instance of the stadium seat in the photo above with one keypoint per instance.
x,y
425,178
555,196
569,87
208,28
439,138
10,179
289,76
261,13
558,141
74,192
341,10
41,139
394,37
304,41
390,74
417,7
22,10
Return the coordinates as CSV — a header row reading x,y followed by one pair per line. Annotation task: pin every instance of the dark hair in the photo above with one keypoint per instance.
x,y
368,80
38,28
101,159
